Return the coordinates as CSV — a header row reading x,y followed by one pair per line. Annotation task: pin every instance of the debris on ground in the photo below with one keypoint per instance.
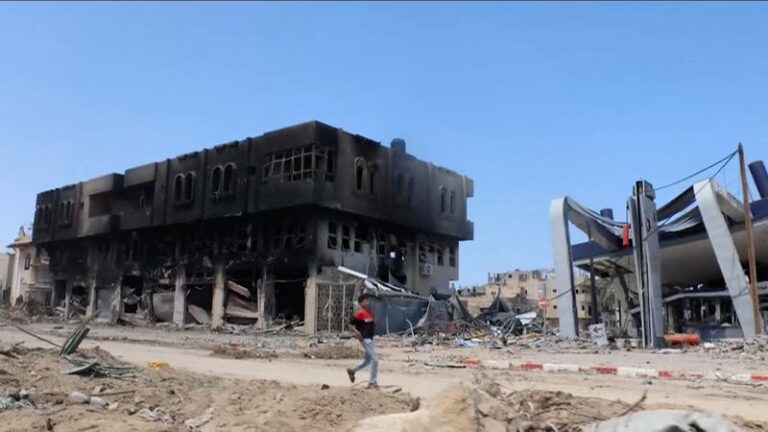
x,y
229,351
663,421
171,399
335,351
487,406
753,349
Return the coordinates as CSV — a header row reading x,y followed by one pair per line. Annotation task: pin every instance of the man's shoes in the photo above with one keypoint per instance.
x,y
351,375
372,386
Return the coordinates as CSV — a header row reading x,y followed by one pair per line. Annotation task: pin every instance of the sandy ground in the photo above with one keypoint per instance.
x,y
405,367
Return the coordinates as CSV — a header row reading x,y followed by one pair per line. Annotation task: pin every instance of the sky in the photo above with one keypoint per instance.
x,y
533,101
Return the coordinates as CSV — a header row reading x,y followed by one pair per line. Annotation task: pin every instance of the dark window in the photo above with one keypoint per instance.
x,y
189,187
333,240
453,202
27,262
329,165
143,201
371,182
300,235
452,256
359,174
443,200
345,237
440,256
178,188
216,181
423,257
361,235
229,179
381,246
302,163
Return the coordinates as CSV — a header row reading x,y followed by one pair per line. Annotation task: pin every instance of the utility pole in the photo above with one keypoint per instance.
x,y
750,245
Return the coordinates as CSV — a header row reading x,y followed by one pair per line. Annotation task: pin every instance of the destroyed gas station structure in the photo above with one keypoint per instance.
x,y
254,230
681,267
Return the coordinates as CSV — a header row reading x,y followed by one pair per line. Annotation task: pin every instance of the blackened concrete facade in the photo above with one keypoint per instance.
x,y
266,213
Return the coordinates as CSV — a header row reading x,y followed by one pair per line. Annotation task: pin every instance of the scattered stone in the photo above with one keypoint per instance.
x,y
79,397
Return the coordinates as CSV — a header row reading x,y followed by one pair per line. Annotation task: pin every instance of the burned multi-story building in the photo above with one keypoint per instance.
x,y
251,230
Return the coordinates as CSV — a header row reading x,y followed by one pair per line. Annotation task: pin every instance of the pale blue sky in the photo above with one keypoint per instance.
x,y
533,101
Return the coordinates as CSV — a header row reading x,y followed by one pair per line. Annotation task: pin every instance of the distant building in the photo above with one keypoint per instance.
x,y
30,278
5,277
523,288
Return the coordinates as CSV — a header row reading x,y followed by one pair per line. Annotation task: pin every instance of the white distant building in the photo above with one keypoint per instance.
x,y
29,275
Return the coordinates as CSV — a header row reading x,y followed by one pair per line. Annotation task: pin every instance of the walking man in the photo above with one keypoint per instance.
x,y
363,327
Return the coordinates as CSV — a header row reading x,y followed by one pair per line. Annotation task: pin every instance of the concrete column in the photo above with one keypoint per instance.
x,y
180,296
217,305
310,301
726,253
266,299
68,301
561,247
116,302
718,310
91,309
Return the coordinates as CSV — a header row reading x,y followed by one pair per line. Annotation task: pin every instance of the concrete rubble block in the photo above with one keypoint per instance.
x,y
79,397
664,421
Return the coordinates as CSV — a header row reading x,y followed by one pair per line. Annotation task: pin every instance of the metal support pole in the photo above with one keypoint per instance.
x,y
750,245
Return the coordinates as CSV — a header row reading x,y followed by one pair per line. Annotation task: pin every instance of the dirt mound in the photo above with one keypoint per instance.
x,y
229,351
171,400
335,351
485,406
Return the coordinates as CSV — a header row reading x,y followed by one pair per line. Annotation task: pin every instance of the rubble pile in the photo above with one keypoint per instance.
x,y
235,352
555,344
335,351
486,406
753,349
35,394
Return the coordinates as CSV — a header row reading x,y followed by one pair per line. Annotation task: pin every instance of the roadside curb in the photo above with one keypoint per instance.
x,y
630,372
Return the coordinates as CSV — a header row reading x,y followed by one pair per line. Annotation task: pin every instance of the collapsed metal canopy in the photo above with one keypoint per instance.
x,y
701,238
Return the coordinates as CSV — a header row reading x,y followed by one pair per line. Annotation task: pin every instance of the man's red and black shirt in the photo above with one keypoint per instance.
x,y
363,322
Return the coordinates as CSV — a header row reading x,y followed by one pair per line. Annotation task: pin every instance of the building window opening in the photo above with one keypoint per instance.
x,y
189,187
423,257
443,200
178,188
359,174
453,202
440,256
371,181
333,240
27,261
302,163
216,181
361,235
452,256
345,237
229,179
381,244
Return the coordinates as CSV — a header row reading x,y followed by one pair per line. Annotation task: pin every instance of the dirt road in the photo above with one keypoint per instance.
x,y
414,377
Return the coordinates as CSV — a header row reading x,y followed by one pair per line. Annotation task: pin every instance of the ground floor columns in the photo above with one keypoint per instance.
x,y
310,300
265,297
90,310
180,296
217,305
